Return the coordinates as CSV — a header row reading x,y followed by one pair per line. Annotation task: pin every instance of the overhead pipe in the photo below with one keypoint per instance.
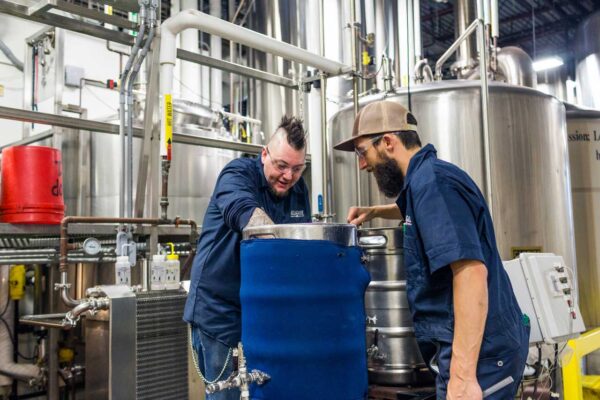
x,y
194,19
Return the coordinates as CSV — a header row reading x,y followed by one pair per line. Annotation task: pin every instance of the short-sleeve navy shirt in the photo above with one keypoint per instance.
x,y
213,302
447,220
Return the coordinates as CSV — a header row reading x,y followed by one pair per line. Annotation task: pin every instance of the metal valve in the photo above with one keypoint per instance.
x,y
240,378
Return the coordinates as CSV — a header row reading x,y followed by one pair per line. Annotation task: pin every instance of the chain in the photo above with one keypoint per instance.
x,y
195,360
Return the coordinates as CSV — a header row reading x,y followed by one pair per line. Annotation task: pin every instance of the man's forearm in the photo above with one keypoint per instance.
x,y
470,293
259,217
388,211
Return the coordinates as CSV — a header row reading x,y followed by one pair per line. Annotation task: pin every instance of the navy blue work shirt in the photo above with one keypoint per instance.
x,y
213,302
447,220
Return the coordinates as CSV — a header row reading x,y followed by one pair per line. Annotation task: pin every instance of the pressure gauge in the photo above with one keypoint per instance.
x,y
92,246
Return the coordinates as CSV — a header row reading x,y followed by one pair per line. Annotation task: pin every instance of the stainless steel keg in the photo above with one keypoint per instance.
x,y
393,354
343,234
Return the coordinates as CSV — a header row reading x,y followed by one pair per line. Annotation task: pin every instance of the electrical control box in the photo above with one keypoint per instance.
x,y
545,290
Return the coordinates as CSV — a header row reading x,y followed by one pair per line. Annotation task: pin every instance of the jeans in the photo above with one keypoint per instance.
x,y
211,359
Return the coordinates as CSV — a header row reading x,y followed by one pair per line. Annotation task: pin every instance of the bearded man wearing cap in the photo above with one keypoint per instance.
x,y
467,322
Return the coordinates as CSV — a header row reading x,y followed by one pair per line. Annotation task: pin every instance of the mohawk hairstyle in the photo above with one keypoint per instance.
x,y
296,136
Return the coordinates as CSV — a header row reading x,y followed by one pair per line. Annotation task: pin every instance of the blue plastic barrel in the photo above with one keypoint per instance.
x,y
303,318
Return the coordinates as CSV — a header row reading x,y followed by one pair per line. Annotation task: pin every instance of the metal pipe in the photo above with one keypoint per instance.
x,y
240,118
494,17
164,198
95,304
417,29
132,77
215,26
64,286
355,92
249,72
45,320
423,71
145,275
324,149
10,55
483,71
122,105
440,62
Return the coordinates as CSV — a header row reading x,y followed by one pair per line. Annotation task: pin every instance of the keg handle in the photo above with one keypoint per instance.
x,y
372,241
263,236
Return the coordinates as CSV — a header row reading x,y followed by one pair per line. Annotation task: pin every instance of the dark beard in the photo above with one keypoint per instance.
x,y
389,177
278,196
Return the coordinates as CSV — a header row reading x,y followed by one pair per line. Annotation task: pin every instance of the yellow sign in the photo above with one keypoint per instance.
x,y
168,126
515,251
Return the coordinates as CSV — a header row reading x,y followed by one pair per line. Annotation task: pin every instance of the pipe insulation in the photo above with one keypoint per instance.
x,y
8,368
194,19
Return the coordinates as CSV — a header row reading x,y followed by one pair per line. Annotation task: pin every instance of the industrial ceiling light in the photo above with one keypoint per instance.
x,y
547,63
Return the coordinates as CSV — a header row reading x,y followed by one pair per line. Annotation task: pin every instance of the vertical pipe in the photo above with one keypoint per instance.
x,y
190,72
410,19
314,43
324,147
417,29
494,19
404,39
122,108
53,337
381,37
355,90
216,75
463,16
483,54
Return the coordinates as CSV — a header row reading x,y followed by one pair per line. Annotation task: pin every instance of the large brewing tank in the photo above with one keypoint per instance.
x,y
91,166
587,53
393,354
532,207
303,317
583,126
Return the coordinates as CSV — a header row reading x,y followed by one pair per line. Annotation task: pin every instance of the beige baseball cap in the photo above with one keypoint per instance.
x,y
376,118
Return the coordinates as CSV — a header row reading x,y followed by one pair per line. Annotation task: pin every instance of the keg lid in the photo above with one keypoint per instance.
x,y
343,234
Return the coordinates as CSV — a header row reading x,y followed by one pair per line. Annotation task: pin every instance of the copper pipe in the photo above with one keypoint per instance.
x,y
164,199
64,241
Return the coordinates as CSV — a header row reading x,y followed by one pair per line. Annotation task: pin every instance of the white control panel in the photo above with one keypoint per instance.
x,y
545,290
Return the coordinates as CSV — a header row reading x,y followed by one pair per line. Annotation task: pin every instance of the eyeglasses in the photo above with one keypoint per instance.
x,y
360,153
283,167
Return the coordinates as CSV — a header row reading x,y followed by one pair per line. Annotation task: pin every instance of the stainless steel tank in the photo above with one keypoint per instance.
x,y
532,207
393,353
587,53
583,126
92,162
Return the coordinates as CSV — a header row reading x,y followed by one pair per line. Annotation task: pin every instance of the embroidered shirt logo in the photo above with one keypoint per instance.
x,y
297,213
408,221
